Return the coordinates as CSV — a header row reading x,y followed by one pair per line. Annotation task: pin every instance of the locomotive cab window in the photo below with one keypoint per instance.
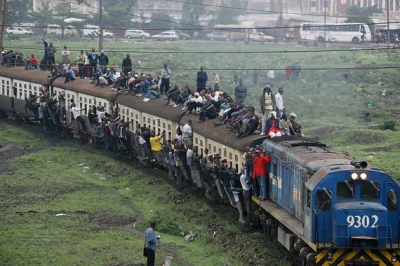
x,y
324,197
345,190
392,200
370,190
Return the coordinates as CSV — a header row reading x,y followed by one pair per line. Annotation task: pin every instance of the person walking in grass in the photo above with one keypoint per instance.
x,y
150,244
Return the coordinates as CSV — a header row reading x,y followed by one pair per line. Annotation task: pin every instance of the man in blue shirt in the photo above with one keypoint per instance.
x,y
70,75
150,244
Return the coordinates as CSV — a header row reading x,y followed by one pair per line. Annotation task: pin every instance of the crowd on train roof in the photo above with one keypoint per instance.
x,y
186,163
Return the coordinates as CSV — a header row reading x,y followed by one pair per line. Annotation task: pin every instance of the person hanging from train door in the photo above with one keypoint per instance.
x,y
76,112
224,178
259,172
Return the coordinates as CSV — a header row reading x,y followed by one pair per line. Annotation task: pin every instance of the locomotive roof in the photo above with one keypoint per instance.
x,y
84,86
309,153
156,107
34,75
221,134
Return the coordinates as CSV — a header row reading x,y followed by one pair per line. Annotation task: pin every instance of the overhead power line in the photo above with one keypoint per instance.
x,y
229,52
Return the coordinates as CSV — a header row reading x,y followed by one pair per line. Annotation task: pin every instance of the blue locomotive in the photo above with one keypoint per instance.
x,y
328,208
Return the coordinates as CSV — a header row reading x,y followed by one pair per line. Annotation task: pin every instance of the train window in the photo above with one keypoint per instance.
x,y
158,122
225,153
220,151
137,117
80,98
215,149
196,140
132,115
209,147
230,156
72,97
149,121
94,101
201,143
154,122
392,200
123,111
25,86
308,198
169,127
90,101
236,158
2,91
144,119
370,190
345,190
85,100
163,125
324,197
237,167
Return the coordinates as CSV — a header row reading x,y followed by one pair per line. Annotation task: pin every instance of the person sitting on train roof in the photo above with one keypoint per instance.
x,y
151,91
195,103
182,96
248,125
104,79
120,82
142,87
70,75
285,126
272,126
296,126
31,62
207,111
96,75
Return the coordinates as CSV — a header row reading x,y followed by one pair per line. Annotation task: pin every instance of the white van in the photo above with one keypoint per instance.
x,y
88,29
55,29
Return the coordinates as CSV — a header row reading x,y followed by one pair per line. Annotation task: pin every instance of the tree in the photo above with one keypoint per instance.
x,y
192,10
160,21
17,11
356,14
62,13
228,15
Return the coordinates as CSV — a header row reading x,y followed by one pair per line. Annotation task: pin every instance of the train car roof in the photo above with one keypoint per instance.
x,y
84,86
19,73
309,153
156,107
221,134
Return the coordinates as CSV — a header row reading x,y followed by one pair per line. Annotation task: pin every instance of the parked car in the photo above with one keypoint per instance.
x,y
89,29
182,35
218,36
106,34
19,31
131,34
260,37
166,35
55,29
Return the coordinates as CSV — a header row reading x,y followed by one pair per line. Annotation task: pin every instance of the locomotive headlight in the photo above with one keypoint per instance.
x,y
354,176
394,257
363,176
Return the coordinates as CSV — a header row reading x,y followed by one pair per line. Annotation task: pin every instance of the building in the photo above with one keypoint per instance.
x,y
88,6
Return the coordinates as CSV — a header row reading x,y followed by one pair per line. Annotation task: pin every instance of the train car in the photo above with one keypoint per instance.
x,y
16,86
219,140
330,209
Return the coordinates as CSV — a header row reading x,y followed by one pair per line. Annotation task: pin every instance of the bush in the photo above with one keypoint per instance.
x,y
389,124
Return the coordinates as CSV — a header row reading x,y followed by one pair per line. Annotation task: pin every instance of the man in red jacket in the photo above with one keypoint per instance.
x,y
32,62
259,172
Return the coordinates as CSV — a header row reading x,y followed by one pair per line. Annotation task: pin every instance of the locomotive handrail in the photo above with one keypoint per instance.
x,y
316,226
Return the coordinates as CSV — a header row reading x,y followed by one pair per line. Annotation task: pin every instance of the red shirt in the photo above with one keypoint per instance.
x,y
259,168
33,60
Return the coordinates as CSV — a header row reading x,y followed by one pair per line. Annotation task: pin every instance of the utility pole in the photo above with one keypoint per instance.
x,y
3,22
101,25
325,23
388,29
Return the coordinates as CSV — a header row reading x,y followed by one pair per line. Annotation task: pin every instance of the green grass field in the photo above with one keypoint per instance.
x,y
109,204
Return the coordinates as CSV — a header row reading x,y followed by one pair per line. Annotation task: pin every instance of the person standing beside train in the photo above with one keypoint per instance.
x,y
267,104
259,172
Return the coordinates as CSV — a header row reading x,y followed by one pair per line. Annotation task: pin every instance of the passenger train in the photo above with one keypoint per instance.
x,y
323,206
